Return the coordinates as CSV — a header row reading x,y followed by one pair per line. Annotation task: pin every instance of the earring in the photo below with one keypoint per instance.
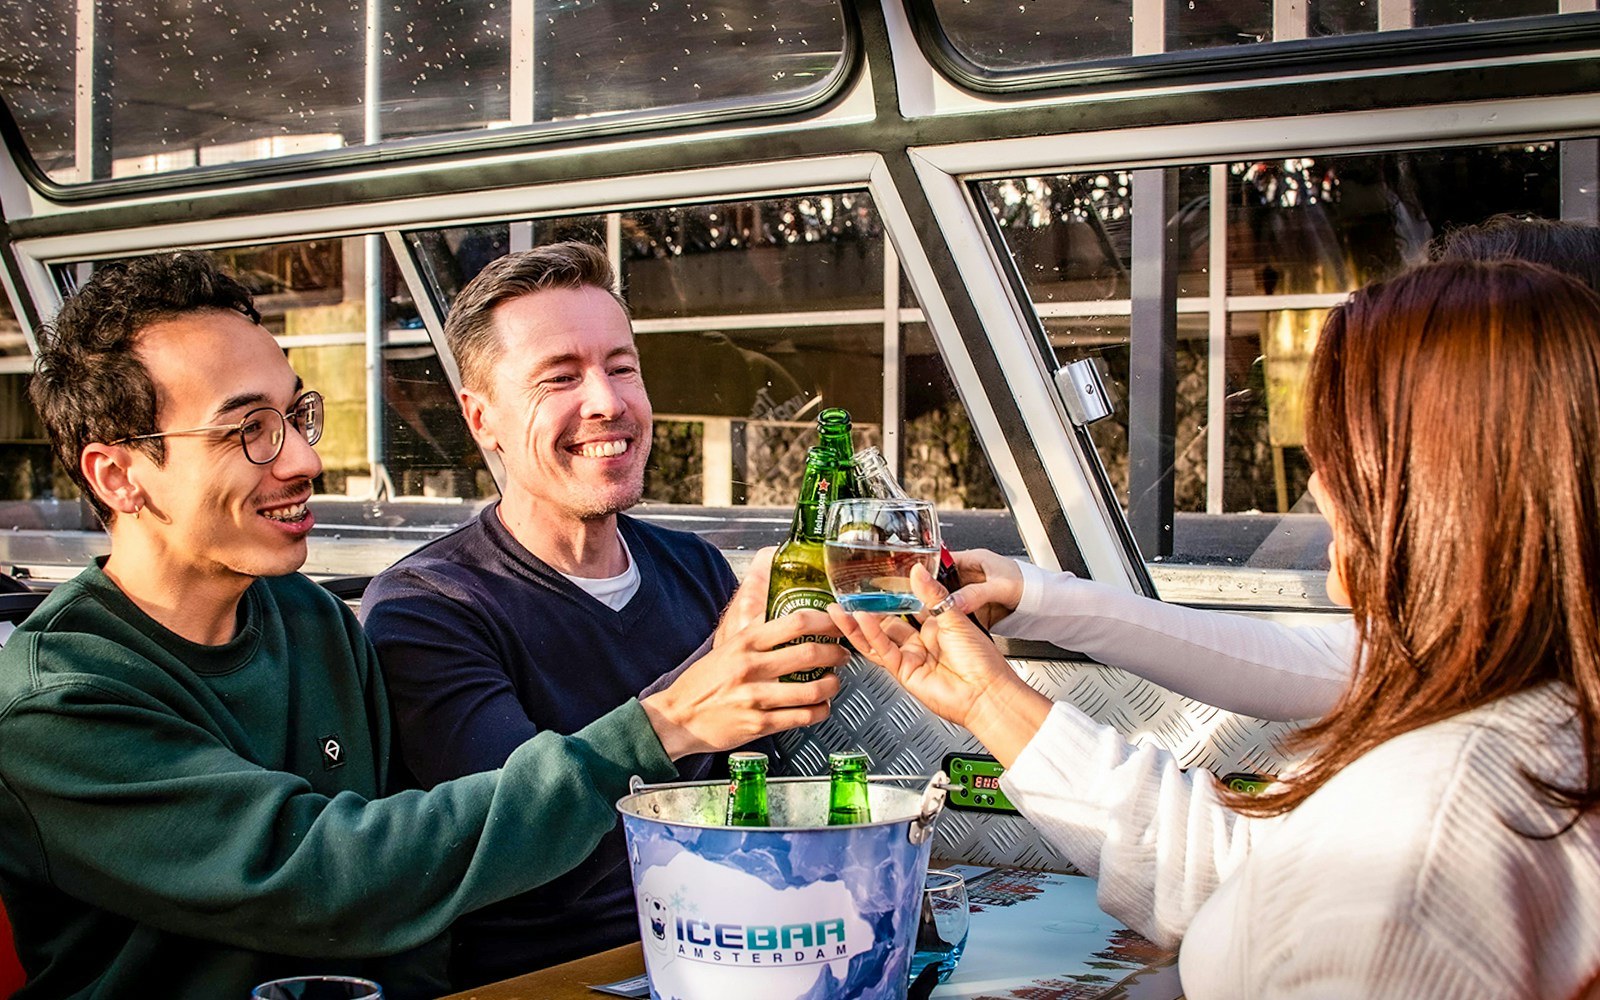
x,y
137,508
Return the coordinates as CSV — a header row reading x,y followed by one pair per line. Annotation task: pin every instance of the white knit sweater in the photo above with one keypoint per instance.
x,y
1249,665
1398,879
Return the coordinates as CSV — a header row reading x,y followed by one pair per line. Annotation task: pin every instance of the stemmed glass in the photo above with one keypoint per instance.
x,y
870,546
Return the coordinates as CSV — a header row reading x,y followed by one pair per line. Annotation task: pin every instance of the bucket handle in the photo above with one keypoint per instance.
x,y
933,799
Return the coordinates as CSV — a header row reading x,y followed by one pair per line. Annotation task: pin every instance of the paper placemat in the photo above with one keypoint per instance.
x,y
1041,936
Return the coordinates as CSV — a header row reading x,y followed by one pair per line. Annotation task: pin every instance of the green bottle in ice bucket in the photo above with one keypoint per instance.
x,y
798,577
847,788
747,789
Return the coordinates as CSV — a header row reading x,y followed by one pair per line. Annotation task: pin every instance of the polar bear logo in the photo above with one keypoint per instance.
x,y
656,910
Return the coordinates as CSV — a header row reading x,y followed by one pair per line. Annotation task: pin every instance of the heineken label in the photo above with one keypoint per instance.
x,y
797,599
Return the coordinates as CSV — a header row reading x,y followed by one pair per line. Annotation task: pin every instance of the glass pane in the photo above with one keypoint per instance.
x,y
1217,23
1332,223
943,459
178,85
427,448
13,343
1034,35
1072,237
1430,12
1311,226
30,471
1070,234
1268,355
759,391
808,252
1340,17
1106,339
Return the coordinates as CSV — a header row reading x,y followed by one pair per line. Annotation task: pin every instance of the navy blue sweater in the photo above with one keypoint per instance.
x,y
482,645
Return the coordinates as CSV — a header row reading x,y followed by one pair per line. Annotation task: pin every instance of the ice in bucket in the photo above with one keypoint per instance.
x,y
795,911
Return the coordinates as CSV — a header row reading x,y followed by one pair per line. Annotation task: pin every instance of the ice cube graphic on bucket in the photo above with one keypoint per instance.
x,y
796,911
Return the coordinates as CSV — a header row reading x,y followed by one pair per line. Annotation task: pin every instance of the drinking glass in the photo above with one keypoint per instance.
x,y
318,988
942,928
870,545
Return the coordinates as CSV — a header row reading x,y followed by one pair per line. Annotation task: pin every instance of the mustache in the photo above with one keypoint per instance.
x,y
286,494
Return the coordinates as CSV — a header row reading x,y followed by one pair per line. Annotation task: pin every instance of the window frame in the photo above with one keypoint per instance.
x,y
1339,55
673,118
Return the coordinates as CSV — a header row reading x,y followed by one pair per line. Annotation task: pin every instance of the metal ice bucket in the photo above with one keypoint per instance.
x,y
795,910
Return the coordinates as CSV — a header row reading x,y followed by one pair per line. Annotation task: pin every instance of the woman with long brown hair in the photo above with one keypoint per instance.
x,y
1258,666
1442,838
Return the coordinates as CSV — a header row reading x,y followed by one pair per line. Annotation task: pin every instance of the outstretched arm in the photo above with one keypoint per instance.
x,y
1158,841
1250,665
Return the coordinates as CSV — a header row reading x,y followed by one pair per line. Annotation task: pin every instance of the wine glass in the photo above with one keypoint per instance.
x,y
870,546
318,988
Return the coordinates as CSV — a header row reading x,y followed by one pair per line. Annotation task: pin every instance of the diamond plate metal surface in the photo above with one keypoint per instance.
x,y
902,737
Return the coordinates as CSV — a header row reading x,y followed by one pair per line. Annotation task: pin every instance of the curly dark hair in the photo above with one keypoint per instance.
x,y
89,385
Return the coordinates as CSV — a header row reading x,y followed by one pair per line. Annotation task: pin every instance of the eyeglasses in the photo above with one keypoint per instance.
x,y
261,432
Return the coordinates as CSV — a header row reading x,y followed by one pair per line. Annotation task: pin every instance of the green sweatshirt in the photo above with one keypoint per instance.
x,y
183,821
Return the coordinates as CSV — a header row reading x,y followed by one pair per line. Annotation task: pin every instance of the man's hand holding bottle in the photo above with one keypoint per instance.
x,y
732,695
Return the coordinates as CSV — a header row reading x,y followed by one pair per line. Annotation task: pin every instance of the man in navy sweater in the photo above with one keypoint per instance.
x,y
552,607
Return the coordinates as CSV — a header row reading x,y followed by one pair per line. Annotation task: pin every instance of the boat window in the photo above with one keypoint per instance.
x,y
995,43
115,89
1262,248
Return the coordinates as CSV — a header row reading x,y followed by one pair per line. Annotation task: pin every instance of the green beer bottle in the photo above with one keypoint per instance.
x,y
798,577
833,426
747,789
847,788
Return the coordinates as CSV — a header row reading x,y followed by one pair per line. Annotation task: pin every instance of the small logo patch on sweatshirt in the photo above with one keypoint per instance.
x,y
332,752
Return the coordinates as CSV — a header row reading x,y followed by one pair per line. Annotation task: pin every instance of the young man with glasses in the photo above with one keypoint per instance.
x,y
195,782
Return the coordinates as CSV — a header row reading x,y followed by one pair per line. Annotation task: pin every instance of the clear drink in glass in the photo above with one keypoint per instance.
x,y
872,543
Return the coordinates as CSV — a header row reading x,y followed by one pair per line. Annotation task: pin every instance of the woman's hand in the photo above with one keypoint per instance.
x,y
991,585
952,668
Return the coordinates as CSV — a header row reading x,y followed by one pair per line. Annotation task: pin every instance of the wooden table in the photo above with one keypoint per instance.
x,y
1126,966
568,981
